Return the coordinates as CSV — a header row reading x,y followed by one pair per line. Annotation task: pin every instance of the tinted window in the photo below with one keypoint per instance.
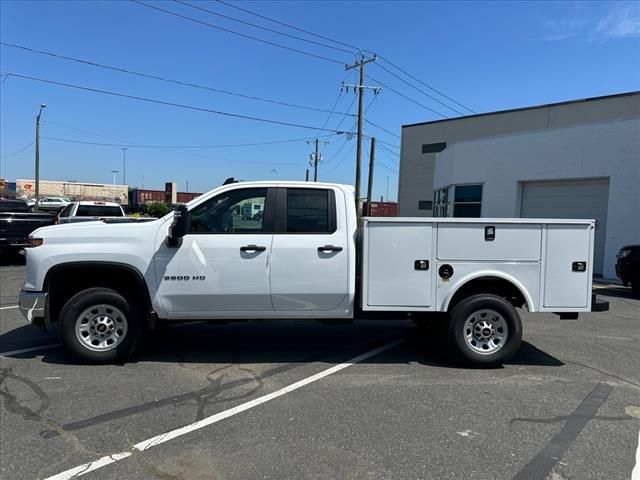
x,y
433,147
471,210
238,211
307,210
98,211
468,193
66,211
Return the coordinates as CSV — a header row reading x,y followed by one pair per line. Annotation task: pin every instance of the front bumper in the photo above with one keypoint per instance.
x,y
32,305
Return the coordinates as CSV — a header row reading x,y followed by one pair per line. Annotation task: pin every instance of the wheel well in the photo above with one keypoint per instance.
x,y
65,281
492,285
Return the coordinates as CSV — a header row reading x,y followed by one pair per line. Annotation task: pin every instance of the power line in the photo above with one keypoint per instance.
x,y
353,47
274,44
389,154
190,154
427,85
172,104
344,157
407,98
162,79
382,128
264,28
388,144
16,152
264,17
135,145
419,90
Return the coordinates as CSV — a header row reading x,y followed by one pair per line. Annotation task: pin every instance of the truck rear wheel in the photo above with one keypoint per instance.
x,y
485,330
99,325
635,284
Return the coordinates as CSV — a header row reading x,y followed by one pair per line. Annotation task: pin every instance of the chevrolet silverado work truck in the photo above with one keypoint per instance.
x,y
307,256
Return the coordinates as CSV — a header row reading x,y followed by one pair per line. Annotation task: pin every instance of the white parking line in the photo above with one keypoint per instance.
x,y
7,308
178,432
31,349
635,475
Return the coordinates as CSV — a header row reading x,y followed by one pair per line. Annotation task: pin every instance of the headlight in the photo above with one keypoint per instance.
x,y
623,253
35,242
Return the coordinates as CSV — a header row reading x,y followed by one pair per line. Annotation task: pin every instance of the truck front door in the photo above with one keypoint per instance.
x,y
309,266
221,266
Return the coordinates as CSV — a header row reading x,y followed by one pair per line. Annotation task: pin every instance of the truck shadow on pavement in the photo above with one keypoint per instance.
x,y
272,342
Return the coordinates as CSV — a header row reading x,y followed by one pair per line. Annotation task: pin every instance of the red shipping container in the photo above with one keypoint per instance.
x,y
382,209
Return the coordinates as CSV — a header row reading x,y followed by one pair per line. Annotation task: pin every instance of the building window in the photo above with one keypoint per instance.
x,y
434,147
425,204
458,201
467,201
441,202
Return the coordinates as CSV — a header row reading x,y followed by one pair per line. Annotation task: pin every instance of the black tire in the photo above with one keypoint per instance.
x,y
469,354
635,284
103,298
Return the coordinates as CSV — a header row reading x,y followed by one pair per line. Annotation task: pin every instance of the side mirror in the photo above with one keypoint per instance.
x,y
180,226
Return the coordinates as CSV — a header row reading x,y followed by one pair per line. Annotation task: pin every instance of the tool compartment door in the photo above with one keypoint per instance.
x,y
396,276
566,284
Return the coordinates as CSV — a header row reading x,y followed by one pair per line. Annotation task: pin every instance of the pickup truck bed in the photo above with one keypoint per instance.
x,y
419,264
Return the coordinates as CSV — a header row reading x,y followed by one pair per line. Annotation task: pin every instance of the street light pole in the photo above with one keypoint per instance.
x,y
115,175
37,179
124,165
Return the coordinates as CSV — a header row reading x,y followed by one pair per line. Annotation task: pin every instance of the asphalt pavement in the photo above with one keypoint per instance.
x,y
302,400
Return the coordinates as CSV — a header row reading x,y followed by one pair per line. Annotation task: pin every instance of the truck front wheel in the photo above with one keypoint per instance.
x,y
485,330
99,325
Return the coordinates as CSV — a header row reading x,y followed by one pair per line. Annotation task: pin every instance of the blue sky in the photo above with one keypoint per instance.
x,y
487,56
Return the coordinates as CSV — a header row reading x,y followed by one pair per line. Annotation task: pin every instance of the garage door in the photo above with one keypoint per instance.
x,y
570,199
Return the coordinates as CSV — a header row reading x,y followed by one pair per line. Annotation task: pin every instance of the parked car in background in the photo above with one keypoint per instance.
x,y
49,204
628,267
17,222
89,211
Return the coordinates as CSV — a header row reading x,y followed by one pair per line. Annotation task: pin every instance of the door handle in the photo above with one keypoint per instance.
x,y
253,248
329,248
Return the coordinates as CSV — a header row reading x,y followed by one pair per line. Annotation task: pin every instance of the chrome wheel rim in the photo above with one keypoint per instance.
x,y
101,327
486,331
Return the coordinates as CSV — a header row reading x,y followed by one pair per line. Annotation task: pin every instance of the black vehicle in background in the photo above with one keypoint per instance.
x,y
628,267
17,222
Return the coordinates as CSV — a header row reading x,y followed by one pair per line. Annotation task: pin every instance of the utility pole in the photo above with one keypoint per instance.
x,y
372,157
315,159
113,192
37,179
387,188
315,163
361,88
124,165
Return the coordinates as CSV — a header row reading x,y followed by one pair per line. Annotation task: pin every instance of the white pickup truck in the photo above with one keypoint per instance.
x,y
305,257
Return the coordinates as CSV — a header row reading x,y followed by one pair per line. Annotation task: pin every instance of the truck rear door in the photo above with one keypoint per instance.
x,y
309,264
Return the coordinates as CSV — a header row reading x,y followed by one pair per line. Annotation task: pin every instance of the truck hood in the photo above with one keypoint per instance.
x,y
98,231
